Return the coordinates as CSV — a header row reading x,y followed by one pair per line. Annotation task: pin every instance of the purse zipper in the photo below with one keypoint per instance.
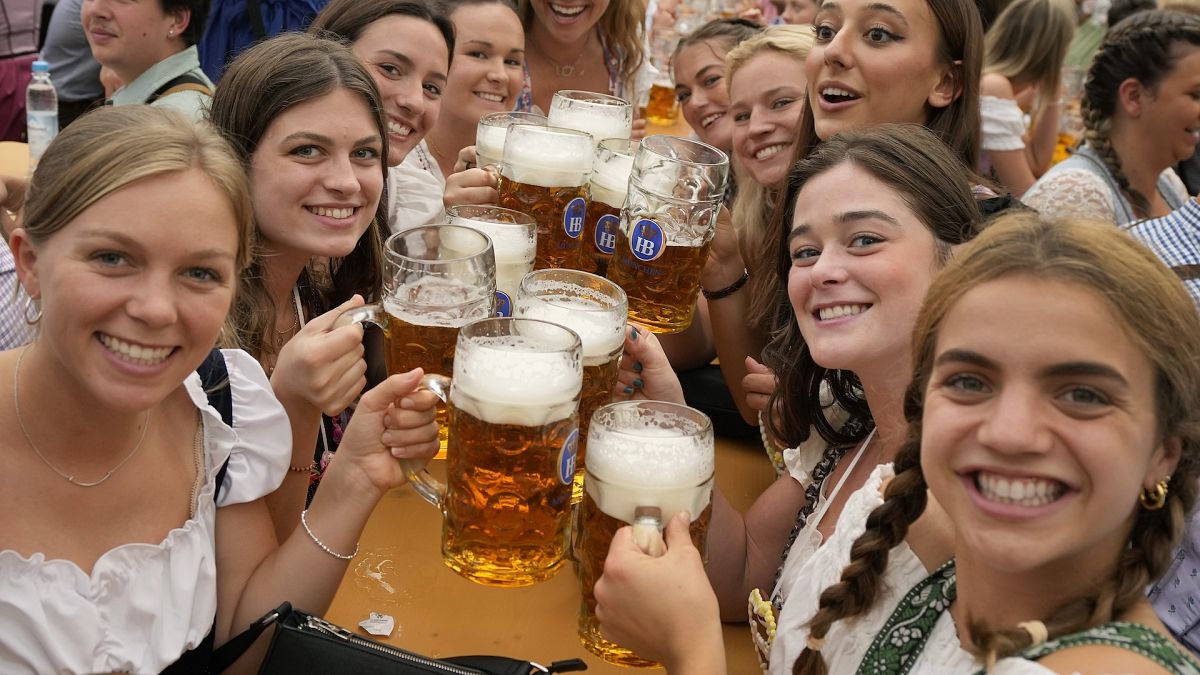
x,y
322,626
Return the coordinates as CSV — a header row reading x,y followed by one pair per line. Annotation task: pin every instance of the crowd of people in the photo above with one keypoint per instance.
x,y
956,294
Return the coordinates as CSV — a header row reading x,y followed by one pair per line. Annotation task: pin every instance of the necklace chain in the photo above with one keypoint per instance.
x,y
569,70
32,446
295,321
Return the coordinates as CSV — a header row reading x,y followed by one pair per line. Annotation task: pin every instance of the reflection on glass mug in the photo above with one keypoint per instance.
x,y
493,129
595,308
511,461
667,223
600,115
544,173
514,241
644,457
436,278
606,196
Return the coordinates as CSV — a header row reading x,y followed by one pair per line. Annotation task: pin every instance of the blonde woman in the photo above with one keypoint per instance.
x,y
1023,50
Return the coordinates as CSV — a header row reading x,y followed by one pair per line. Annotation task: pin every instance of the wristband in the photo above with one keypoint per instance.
x,y
728,290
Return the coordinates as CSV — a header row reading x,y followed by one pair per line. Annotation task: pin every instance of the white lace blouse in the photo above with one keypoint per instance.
x,y
145,604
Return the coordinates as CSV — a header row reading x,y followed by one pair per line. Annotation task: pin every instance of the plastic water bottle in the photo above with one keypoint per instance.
x,y
41,108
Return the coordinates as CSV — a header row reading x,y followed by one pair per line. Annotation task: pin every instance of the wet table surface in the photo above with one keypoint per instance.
x,y
399,571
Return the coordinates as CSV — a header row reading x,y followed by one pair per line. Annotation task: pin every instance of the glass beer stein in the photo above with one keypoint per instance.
x,y
514,434
544,173
514,242
600,115
436,279
493,129
667,223
606,195
647,460
595,308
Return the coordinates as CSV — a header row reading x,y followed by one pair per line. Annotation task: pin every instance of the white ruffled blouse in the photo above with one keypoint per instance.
x,y
1003,124
144,605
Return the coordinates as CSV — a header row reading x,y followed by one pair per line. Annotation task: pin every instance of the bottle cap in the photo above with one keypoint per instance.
x,y
41,66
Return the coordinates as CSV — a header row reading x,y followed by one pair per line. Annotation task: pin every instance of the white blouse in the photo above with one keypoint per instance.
x,y
1003,124
145,604
415,189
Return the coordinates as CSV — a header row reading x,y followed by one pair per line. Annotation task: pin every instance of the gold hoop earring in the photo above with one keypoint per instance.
x,y
1153,499
36,306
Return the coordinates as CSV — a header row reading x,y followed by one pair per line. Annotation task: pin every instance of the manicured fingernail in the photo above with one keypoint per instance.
x,y
628,390
637,366
637,384
633,333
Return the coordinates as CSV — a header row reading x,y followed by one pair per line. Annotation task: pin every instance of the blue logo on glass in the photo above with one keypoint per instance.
x,y
606,233
503,304
566,458
646,241
573,217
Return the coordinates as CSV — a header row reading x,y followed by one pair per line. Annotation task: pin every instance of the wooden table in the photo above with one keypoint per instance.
x,y
14,158
399,571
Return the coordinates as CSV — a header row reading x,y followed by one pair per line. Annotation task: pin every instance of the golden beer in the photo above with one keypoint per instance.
x,y
645,456
560,213
428,347
606,195
600,237
506,505
662,291
662,109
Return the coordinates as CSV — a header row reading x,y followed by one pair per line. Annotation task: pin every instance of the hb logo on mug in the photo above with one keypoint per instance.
x,y
573,217
646,241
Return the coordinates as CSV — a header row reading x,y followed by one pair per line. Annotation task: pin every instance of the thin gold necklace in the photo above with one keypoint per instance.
x,y
571,70
32,446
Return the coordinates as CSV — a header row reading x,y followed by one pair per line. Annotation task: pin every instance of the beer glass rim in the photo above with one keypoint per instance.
x,y
688,412
397,256
595,97
520,218
665,146
619,298
514,117
547,129
625,147
479,328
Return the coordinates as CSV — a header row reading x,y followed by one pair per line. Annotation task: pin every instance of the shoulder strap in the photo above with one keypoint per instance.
x,y
900,642
185,82
214,378
1134,637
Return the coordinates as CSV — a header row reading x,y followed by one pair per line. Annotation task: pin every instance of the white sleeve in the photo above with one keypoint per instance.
x,y
262,438
415,193
1003,124
1072,193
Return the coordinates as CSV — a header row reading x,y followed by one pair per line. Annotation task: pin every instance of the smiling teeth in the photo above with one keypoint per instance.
x,y
710,119
144,356
1019,491
827,313
835,91
332,213
494,98
399,129
569,11
768,151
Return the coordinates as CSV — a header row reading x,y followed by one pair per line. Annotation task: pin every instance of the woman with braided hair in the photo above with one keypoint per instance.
x,y
1141,111
1061,465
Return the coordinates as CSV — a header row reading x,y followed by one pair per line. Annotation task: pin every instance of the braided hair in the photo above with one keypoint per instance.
x,y
1160,319
1144,47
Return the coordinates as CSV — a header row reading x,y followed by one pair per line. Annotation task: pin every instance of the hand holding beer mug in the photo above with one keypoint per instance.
x,y
544,173
668,220
514,241
606,196
493,129
600,115
645,457
595,308
436,278
511,459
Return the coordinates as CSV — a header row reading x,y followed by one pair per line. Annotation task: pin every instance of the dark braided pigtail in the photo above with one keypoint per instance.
x,y
1142,47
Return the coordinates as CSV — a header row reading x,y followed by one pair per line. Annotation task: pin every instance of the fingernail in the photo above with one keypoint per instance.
x,y
637,384
637,366
628,390
633,333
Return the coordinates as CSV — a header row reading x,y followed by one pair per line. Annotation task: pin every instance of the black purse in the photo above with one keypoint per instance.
x,y
304,643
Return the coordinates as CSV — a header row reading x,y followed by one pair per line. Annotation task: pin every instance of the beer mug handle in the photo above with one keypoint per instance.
x,y
372,314
647,530
430,488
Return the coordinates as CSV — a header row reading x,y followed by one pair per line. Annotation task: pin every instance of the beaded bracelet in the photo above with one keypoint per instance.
x,y
318,542
728,290
308,468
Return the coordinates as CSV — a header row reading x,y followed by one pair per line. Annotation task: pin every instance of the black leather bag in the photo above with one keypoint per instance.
x,y
304,643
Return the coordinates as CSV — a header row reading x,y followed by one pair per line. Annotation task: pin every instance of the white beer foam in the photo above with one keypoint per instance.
x,y
599,124
549,160
489,141
510,243
650,466
610,180
568,305
499,381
